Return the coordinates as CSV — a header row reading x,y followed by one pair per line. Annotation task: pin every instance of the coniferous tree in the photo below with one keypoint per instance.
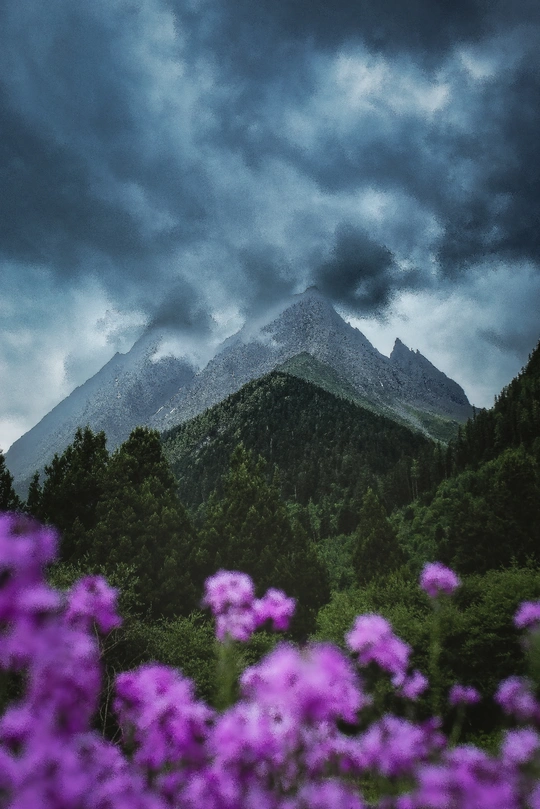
x,y
72,488
9,500
377,549
248,529
140,520
33,498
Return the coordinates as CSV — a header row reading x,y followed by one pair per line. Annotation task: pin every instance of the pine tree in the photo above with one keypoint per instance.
x,y
72,489
377,549
9,500
33,498
140,520
248,529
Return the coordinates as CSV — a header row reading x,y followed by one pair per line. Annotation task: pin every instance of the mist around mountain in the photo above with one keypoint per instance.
x,y
305,336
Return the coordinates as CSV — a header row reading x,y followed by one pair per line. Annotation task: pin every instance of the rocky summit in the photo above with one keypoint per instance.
x,y
138,388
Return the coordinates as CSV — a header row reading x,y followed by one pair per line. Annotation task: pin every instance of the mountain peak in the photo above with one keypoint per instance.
x,y
149,386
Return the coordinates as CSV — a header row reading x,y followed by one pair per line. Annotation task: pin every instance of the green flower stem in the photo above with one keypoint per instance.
x,y
434,659
227,671
458,726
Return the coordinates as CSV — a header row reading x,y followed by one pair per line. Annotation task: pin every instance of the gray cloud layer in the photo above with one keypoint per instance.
x,y
182,157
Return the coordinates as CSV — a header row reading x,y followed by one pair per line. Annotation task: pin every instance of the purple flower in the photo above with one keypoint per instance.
x,y
394,747
231,597
436,578
463,695
330,794
373,640
414,685
317,684
275,606
237,623
528,615
519,746
158,706
466,778
516,698
91,599
226,589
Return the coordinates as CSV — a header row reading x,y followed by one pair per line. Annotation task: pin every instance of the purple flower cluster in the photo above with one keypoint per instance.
x,y
516,698
231,597
279,747
437,579
373,640
463,695
528,615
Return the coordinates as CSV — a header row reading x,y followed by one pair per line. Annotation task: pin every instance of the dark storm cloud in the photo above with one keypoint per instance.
x,y
265,279
48,213
120,142
511,342
183,308
86,181
256,35
361,274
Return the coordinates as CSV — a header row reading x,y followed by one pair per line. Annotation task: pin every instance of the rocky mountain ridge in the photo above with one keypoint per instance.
x,y
400,383
136,388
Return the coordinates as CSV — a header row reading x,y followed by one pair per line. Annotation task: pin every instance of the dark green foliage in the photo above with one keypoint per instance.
x,y
479,520
141,521
72,488
9,501
513,421
33,498
188,644
327,449
479,503
247,528
377,551
336,554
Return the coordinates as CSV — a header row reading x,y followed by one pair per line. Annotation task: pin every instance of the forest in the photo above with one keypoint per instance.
x,y
313,494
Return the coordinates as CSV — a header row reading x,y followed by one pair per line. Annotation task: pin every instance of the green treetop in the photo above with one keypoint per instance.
x,y
140,520
248,528
377,551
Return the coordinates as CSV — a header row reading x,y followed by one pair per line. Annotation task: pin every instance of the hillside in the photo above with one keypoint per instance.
x,y
485,513
324,446
305,366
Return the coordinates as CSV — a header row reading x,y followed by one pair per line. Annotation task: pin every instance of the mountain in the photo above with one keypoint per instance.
x,y
142,387
121,396
405,385
322,445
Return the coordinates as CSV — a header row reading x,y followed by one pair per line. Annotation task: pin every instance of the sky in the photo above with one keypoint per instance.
x,y
192,162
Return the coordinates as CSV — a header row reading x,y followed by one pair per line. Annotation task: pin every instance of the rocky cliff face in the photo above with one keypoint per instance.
x,y
134,389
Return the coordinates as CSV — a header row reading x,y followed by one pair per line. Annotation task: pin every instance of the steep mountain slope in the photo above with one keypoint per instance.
x,y
121,396
400,385
324,446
